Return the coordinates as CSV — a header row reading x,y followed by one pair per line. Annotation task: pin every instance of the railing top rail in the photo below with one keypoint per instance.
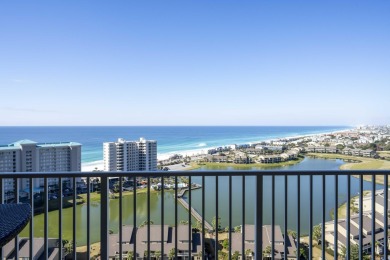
x,y
190,173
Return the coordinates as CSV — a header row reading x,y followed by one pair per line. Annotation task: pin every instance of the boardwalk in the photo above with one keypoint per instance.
x,y
194,213
184,190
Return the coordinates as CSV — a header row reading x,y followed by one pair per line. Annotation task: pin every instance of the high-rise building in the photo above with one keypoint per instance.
x,y
30,156
130,155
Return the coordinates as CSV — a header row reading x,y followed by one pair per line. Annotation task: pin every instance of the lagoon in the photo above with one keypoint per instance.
x,y
155,200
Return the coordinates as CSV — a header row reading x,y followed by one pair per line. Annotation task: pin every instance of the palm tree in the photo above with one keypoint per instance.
x,y
343,252
68,246
267,251
302,253
292,233
222,255
236,255
171,254
157,254
198,225
237,229
317,233
248,252
130,255
214,224
377,244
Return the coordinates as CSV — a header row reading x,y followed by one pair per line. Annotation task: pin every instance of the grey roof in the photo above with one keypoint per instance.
x,y
380,199
267,240
182,234
267,229
354,230
155,232
24,248
250,232
127,233
53,255
24,251
366,224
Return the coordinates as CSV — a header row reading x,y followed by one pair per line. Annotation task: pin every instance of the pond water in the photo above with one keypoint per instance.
x,y
155,200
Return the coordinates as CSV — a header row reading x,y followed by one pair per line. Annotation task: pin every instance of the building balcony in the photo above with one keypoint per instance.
x,y
221,215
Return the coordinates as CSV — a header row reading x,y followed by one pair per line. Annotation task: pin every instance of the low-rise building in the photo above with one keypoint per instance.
x,y
267,242
139,235
270,158
38,249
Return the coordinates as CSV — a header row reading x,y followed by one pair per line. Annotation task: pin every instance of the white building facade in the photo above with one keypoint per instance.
x,y
30,156
130,155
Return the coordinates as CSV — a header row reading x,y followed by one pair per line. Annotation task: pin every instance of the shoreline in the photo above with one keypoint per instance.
x,y
90,166
360,163
195,166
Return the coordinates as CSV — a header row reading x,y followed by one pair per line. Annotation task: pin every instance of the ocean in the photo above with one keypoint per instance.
x,y
171,139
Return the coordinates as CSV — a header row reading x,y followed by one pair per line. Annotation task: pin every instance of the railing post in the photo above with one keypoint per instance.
x,y
373,216
1,202
259,217
60,203
104,218
45,220
74,252
16,200
31,225
385,240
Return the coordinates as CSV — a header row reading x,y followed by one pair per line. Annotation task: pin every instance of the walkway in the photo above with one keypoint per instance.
x,y
194,213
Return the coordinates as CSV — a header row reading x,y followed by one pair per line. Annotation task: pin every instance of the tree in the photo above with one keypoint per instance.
x,y
248,252
317,233
237,229
225,244
198,225
130,255
171,254
354,252
267,251
157,254
292,233
236,255
340,147
68,246
222,255
145,223
301,253
214,224
116,187
343,252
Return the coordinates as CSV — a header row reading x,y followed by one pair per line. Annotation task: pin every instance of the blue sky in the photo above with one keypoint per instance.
x,y
194,62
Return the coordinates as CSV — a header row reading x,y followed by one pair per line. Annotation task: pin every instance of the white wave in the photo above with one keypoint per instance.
x,y
202,145
90,166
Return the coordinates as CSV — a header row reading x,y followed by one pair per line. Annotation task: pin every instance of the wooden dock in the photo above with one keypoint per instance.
x,y
195,214
184,190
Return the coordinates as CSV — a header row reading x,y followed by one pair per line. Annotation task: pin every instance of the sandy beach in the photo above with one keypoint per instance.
x,y
90,166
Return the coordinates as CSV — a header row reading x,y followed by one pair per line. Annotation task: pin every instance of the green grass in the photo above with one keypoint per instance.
x,y
384,154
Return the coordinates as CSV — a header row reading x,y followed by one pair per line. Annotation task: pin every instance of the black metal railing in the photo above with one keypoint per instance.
x,y
210,249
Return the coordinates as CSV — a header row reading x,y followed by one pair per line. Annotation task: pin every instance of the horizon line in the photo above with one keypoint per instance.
x,y
192,125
